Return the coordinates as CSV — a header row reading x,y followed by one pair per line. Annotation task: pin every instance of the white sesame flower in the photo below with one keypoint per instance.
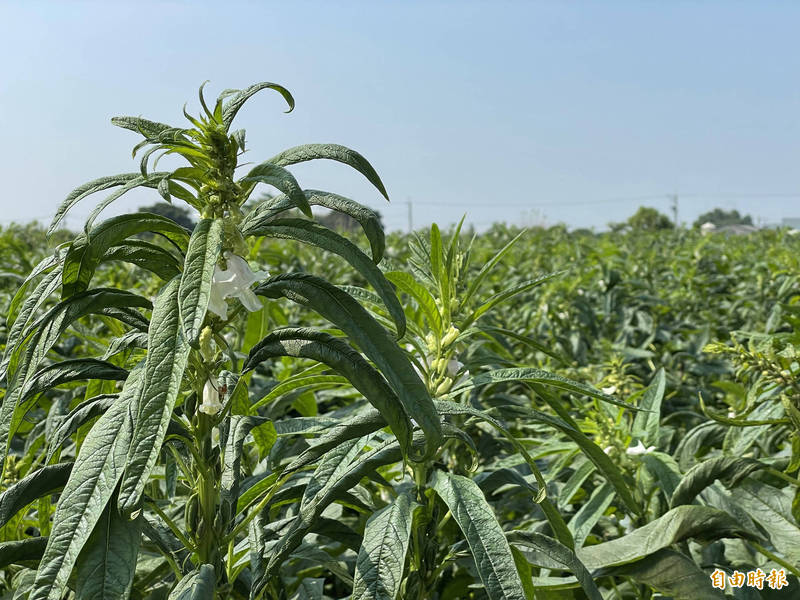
x,y
211,404
626,523
608,449
639,449
609,390
453,367
234,282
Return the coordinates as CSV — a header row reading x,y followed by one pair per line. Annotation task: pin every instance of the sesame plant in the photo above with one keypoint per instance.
x,y
263,407
172,478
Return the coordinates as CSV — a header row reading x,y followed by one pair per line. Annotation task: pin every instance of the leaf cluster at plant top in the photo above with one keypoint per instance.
x,y
263,408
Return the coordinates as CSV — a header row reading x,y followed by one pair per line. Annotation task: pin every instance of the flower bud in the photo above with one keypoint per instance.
x,y
450,336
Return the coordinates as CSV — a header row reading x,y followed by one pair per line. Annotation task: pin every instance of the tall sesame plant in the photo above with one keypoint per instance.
x,y
171,438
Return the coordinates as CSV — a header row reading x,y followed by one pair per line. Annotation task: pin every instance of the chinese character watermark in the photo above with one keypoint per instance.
x,y
776,579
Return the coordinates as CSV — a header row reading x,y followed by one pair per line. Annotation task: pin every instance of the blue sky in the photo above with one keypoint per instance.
x,y
574,112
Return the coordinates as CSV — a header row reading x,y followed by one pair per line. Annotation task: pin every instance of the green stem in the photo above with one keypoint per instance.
x,y
173,526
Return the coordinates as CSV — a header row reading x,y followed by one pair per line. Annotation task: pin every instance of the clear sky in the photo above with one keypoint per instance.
x,y
574,112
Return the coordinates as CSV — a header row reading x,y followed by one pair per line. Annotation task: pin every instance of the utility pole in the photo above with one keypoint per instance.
x,y
410,216
674,206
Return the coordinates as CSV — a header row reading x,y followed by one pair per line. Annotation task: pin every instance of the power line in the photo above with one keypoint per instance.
x,y
671,197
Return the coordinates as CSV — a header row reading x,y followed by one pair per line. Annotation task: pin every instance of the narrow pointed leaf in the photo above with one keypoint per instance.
x,y
97,470
202,256
646,423
347,314
200,584
337,354
369,219
487,542
381,559
335,152
166,360
279,178
107,564
41,482
239,97
322,237
86,189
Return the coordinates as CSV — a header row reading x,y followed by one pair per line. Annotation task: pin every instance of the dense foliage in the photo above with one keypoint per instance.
x,y
517,414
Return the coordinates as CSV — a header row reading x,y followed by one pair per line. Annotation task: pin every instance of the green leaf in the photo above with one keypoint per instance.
x,y
107,564
405,282
771,508
380,562
476,281
679,524
145,256
505,295
672,574
369,219
20,551
279,178
487,542
531,375
337,434
149,129
383,454
343,311
83,413
545,552
646,424
40,294
86,189
88,251
337,354
204,251
322,237
592,451
200,584
151,180
239,97
97,470
240,427
166,360
730,469
42,482
332,152
589,513
42,335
